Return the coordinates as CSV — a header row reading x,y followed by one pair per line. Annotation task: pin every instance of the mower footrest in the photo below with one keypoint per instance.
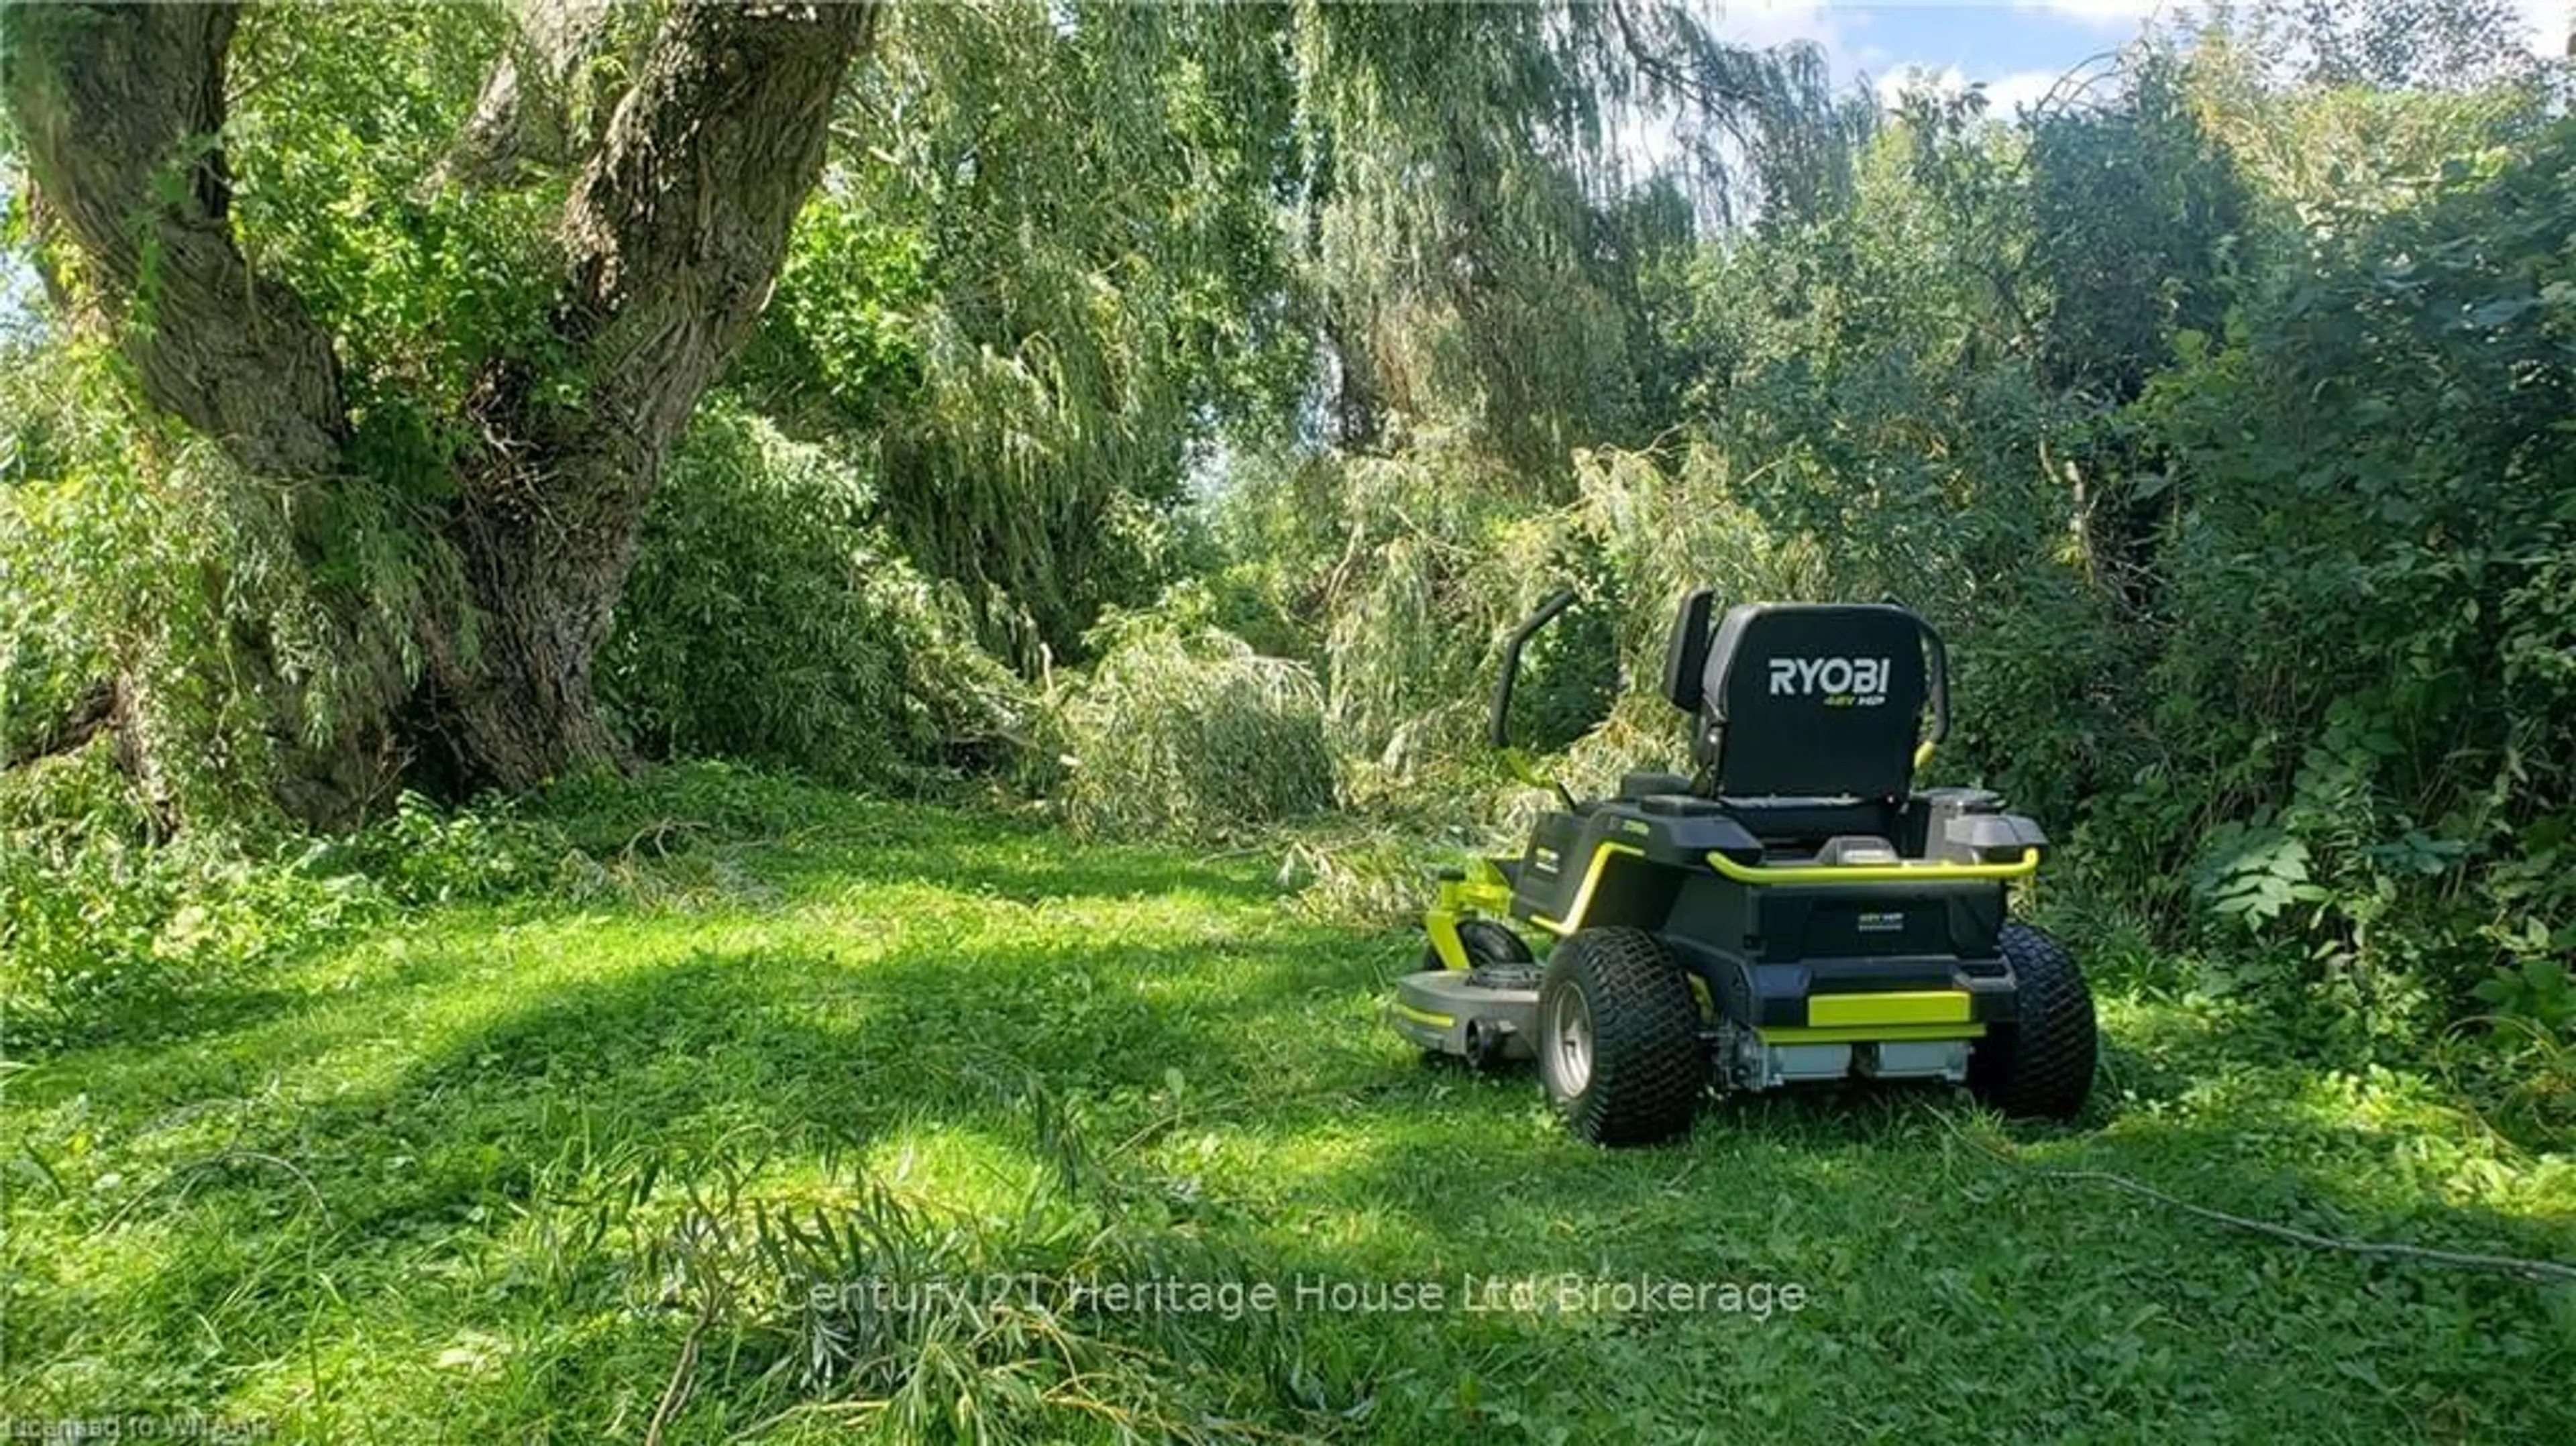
x,y
1762,1064
1941,1059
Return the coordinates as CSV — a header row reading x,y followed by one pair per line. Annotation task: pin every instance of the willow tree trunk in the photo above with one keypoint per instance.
x,y
674,231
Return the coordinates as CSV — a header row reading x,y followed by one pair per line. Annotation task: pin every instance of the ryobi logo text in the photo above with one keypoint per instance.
x,y
1844,682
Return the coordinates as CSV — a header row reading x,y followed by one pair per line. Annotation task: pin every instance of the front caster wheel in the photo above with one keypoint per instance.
x,y
1488,944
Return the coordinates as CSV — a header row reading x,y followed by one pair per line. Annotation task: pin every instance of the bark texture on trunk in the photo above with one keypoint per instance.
x,y
673,235
119,107
523,121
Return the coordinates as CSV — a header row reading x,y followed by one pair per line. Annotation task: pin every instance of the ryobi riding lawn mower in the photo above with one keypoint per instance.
x,y
1795,912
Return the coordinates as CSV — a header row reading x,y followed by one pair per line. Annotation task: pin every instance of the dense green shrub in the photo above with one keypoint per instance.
x,y
106,919
1183,730
768,620
2250,553
134,558
101,914
2367,659
2220,425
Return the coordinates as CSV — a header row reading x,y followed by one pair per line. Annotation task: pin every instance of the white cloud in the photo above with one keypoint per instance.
x,y
2005,94
1837,30
2121,15
2548,22
1766,23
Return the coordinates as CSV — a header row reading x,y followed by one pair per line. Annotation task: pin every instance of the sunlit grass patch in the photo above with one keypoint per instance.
x,y
511,1169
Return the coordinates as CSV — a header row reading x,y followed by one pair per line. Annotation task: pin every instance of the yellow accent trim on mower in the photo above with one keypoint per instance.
x,y
1442,926
1483,890
1583,896
1424,1016
1924,1006
1861,1033
1904,873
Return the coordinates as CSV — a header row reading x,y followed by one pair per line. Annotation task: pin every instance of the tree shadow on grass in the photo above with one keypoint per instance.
x,y
151,1015
807,1047
677,1059
1946,1282
1018,868
709,874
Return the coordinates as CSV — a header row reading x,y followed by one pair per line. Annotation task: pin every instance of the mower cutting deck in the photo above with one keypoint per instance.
x,y
1794,913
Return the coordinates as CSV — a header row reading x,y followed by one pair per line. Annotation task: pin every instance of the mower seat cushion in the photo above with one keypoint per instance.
x,y
1856,848
1641,784
1820,699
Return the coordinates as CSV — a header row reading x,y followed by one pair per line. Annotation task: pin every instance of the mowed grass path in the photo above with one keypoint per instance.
x,y
500,1173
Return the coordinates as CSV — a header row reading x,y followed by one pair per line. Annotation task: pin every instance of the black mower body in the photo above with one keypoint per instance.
x,y
1831,920
1642,862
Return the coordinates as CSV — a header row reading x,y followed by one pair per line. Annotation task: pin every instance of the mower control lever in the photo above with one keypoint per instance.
x,y
1940,682
1940,679
1499,731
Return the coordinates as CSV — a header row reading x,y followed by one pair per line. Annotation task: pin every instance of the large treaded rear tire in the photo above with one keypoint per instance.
x,y
2040,1065
1642,1067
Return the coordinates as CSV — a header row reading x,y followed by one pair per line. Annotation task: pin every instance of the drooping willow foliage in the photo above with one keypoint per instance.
x,y
1065,255
1485,206
1068,267
1044,263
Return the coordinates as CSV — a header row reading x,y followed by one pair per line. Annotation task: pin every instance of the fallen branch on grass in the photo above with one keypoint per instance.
x,y
2527,1268
676,1394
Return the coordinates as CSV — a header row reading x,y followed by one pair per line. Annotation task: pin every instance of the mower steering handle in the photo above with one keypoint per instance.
x,y
1940,679
1940,654
1498,731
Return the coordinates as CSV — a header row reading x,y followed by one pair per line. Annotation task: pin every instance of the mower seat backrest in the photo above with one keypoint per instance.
x,y
1812,700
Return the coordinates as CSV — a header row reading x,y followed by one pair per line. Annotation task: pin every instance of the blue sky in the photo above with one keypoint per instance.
x,y
2017,47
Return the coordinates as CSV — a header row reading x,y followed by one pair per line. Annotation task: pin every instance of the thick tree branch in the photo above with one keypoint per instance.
x,y
672,236
121,107
678,227
523,121
673,233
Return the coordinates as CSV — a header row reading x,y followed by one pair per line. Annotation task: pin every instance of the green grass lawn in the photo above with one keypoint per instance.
x,y
734,1147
